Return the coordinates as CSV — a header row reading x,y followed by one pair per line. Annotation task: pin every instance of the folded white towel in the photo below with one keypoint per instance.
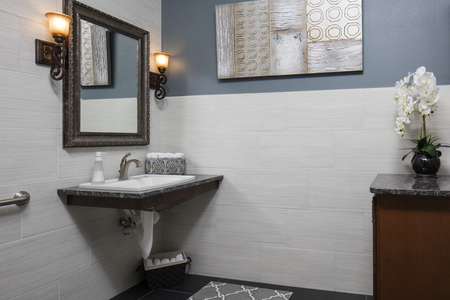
x,y
173,259
157,262
149,262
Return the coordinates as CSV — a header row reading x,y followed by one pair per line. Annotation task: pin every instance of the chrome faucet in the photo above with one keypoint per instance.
x,y
125,164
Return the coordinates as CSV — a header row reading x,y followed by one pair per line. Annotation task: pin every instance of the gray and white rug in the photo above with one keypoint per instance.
x,y
227,291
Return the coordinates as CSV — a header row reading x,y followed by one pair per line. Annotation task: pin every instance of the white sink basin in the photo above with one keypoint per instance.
x,y
140,182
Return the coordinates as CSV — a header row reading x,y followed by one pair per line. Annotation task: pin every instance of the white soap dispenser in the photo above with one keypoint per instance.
x,y
97,175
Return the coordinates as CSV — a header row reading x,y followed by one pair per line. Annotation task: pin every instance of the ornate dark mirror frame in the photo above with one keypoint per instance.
x,y
73,137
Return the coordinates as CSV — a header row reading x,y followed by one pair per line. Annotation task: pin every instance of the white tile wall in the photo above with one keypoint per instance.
x,y
49,250
295,206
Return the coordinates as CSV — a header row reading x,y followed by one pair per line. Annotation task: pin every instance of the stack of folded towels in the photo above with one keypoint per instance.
x,y
149,262
165,163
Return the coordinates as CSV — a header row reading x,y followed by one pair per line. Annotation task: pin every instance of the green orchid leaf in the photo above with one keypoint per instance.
x,y
403,158
430,149
422,143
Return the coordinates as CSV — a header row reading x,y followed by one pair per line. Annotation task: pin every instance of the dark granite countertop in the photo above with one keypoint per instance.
x,y
407,184
199,180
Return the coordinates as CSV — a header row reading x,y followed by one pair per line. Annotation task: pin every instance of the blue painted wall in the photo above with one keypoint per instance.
x,y
123,68
398,37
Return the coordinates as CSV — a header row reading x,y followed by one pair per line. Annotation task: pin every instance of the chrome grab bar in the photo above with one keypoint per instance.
x,y
20,198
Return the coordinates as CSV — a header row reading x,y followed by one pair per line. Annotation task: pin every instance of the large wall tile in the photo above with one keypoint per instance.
x,y
101,281
354,273
10,37
273,188
31,10
107,239
29,31
191,222
33,262
345,191
227,194
300,268
229,148
197,114
25,157
227,260
49,291
374,151
243,224
250,112
325,230
296,149
325,110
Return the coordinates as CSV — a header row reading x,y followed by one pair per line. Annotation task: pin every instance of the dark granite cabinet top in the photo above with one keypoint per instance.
x,y
407,184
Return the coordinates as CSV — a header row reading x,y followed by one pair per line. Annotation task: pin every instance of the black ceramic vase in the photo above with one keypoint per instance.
x,y
425,165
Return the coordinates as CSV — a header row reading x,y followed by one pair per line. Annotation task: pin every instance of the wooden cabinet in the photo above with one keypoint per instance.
x,y
411,245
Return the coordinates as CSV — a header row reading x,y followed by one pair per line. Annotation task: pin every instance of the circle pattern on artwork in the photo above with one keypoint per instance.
x,y
352,30
315,3
264,29
353,12
263,16
334,14
333,32
240,31
239,7
315,16
252,53
263,4
240,55
264,65
252,65
252,29
240,19
252,18
315,33
241,66
240,43
264,41
334,2
251,6
263,53
252,42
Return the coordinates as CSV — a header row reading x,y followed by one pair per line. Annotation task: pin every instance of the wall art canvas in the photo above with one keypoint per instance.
x,y
283,37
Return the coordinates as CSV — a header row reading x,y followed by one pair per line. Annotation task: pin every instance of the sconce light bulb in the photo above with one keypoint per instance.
x,y
162,61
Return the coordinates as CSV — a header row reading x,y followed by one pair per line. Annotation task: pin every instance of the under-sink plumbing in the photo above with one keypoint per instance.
x,y
125,223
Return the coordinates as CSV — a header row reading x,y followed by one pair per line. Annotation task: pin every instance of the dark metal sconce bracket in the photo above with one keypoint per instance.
x,y
44,52
53,55
156,82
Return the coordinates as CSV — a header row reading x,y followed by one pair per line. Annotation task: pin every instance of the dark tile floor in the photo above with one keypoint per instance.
x,y
193,283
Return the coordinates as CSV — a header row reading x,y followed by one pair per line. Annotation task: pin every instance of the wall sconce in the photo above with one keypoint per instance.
x,y
50,53
158,79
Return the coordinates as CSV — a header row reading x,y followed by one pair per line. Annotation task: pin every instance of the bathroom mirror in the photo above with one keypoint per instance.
x,y
106,88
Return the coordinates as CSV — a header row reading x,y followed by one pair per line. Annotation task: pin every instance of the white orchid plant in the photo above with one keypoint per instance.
x,y
418,93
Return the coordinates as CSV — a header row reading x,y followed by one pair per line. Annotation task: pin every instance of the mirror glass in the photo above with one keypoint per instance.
x,y
109,75
106,94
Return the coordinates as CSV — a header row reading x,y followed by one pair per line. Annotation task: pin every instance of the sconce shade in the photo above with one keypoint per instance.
x,y
59,24
162,61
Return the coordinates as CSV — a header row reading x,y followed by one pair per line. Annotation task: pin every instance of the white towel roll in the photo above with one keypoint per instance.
x,y
179,257
165,261
157,262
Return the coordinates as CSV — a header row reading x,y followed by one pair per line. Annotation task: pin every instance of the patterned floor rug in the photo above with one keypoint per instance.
x,y
227,291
